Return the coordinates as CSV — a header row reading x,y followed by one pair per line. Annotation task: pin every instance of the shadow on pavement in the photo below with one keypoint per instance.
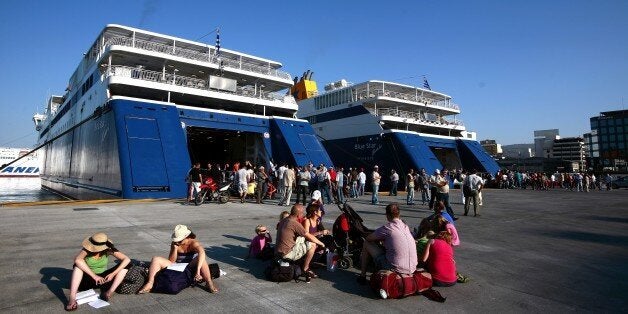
x,y
614,240
56,278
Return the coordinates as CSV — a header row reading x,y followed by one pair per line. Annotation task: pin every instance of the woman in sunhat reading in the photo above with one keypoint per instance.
x,y
90,269
183,249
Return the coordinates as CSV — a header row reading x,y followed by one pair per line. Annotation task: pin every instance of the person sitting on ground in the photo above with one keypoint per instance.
x,y
90,269
292,244
440,224
317,200
183,249
439,258
399,252
314,226
260,245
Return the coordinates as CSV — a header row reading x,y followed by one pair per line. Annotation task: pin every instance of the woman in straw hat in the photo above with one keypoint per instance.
x,y
92,261
183,249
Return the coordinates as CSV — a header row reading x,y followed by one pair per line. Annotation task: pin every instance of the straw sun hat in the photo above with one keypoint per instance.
x,y
180,232
97,243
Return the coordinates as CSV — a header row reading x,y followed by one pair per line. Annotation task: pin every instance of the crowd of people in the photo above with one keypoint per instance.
x,y
578,181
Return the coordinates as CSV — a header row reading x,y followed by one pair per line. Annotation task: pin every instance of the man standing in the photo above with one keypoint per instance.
x,y
281,188
195,180
375,184
303,184
288,183
394,180
361,182
424,182
410,187
472,185
243,182
340,184
442,184
400,248
291,241
433,188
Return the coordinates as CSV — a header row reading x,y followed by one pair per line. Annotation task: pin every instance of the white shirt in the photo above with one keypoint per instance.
x,y
362,177
282,170
243,176
474,181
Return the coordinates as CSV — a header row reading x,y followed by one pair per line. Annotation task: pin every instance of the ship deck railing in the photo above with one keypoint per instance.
x,y
192,82
420,117
219,60
372,93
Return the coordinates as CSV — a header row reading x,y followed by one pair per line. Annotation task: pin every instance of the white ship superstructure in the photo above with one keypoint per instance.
x,y
141,106
394,125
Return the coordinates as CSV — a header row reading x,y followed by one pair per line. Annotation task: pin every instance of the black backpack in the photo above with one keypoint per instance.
x,y
277,273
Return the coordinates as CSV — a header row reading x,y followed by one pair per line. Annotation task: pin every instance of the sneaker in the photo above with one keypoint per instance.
x,y
361,280
383,294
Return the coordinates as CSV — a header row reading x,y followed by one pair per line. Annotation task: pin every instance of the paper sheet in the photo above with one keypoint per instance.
x,y
178,266
98,303
86,296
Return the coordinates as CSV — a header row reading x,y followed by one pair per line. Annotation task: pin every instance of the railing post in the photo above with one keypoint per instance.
x,y
133,40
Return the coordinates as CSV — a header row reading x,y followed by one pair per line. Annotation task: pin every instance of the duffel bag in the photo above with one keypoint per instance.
x,y
172,281
423,280
392,285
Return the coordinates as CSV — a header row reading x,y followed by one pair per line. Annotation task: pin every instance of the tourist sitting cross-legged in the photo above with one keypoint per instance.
x,y
294,242
183,249
90,269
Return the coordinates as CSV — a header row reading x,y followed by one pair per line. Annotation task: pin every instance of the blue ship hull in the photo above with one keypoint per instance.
x,y
135,150
402,151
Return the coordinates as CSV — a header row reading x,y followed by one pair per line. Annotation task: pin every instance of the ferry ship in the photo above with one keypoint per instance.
x,y
394,126
17,162
142,106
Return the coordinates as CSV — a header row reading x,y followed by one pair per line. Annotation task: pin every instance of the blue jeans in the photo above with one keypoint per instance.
x,y
340,193
360,189
445,198
324,188
425,197
410,197
354,189
375,199
393,189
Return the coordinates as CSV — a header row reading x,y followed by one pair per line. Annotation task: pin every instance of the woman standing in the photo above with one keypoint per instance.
x,y
92,261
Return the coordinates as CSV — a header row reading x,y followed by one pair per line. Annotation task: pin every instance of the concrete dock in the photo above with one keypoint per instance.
x,y
530,251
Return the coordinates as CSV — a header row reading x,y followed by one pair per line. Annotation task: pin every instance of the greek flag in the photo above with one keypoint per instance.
x,y
426,84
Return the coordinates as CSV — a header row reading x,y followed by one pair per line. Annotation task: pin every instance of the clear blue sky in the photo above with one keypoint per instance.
x,y
512,66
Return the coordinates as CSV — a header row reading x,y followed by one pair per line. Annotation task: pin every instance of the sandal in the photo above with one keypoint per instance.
x,y
211,288
71,306
434,295
145,290
311,274
461,279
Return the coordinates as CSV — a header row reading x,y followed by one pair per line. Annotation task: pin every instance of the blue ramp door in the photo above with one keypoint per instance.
x,y
146,154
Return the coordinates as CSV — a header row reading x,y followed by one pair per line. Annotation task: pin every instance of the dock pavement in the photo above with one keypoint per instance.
x,y
530,251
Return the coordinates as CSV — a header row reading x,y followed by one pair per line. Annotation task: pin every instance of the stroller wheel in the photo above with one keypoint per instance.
x,y
346,262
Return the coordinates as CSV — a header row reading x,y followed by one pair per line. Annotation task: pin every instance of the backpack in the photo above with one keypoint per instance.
x,y
133,280
277,273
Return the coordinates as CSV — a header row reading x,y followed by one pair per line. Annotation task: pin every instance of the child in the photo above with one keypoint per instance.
x,y
283,215
260,245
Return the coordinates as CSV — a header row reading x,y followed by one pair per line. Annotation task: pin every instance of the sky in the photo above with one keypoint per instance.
x,y
512,66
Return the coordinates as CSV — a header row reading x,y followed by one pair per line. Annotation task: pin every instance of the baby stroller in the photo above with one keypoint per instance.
x,y
349,233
